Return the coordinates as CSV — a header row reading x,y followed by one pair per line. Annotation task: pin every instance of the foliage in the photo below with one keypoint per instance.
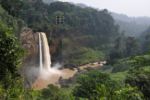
x,y
119,76
140,78
15,90
131,62
140,61
12,6
10,53
54,93
138,72
128,93
145,40
86,36
85,27
122,65
11,85
124,47
81,56
131,26
99,86
15,24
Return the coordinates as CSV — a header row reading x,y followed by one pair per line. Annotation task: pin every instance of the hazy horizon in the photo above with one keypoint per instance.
x,y
132,8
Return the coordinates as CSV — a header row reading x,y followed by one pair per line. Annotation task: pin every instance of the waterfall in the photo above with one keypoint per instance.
x,y
40,52
44,54
42,75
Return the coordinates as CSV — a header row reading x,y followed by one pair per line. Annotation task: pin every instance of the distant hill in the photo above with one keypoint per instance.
x,y
145,40
81,5
132,26
49,1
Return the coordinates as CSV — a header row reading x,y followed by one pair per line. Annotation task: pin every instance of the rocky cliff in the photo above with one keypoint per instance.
x,y
29,41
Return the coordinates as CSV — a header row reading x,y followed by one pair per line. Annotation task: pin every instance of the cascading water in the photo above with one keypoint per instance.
x,y
44,55
40,52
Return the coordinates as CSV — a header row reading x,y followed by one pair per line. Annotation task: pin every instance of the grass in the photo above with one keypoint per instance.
x,y
87,55
119,76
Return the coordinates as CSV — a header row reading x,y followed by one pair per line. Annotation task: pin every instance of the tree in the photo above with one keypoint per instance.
x,y
140,78
128,93
11,85
85,27
54,93
132,46
145,41
95,85
118,51
12,6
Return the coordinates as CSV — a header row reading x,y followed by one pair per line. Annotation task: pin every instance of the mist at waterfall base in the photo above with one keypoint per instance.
x,y
47,74
35,75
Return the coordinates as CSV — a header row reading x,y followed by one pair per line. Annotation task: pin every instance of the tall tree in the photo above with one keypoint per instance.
x,y
10,55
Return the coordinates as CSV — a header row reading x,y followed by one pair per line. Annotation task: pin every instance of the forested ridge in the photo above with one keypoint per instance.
x,y
132,26
86,29
87,35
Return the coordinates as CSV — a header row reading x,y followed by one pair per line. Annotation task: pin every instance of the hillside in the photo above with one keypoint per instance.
x,y
145,40
132,26
10,21
85,33
49,1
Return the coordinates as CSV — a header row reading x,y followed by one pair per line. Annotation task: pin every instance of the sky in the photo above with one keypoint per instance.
x,y
134,8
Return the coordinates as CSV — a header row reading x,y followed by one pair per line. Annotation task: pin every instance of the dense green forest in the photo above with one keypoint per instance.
x,y
87,35
85,30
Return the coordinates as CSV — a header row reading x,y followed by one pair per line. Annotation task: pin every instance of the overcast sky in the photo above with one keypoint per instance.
x,y
128,7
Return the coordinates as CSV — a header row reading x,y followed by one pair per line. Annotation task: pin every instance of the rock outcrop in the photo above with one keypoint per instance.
x,y
29,41
29,71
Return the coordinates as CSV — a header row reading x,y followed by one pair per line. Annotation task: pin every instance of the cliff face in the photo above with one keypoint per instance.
x,y
29,41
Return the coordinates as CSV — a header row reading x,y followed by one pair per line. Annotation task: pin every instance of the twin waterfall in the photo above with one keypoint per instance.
x,y
44,54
